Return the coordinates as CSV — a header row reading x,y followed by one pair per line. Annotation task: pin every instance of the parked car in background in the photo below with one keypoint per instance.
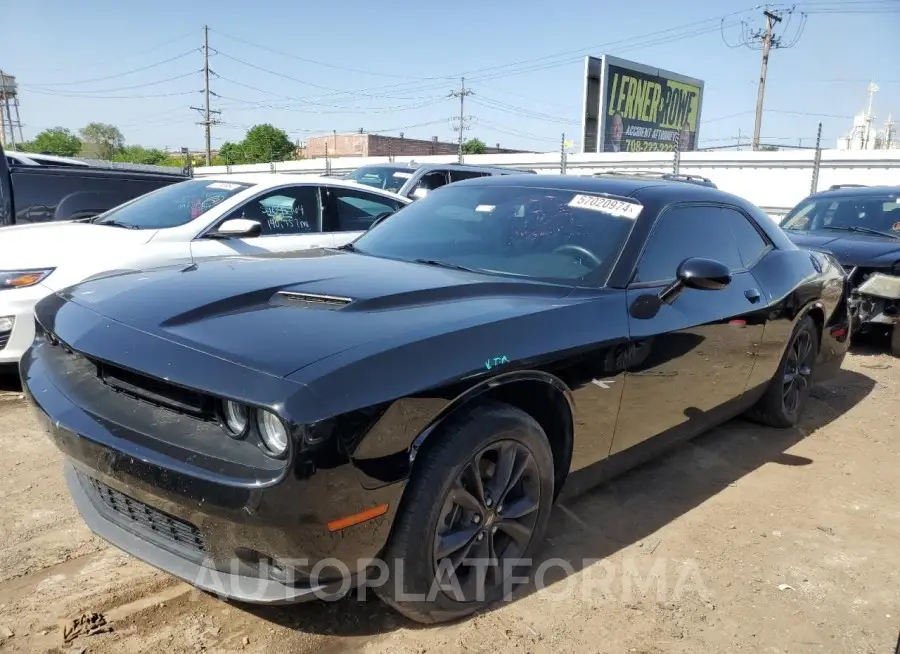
x,y
415,181
860,225
420,397
58,190
255,214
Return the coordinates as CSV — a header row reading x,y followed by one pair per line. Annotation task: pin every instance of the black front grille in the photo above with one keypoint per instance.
x,y
4,339
145,517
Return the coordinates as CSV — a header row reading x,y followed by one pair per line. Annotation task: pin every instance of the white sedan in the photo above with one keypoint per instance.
x,y
218,216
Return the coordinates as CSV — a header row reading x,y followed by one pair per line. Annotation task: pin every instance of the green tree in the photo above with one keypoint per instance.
x,y
474,146
266,143
141,155
101,141
58,141
768,148
230,154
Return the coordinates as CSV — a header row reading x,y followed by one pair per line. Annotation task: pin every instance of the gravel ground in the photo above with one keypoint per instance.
x,y
747,539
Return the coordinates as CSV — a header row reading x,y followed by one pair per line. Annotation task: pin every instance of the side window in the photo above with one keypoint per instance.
x,y
357,210
459,175
750,242
684,232
284,211
433,180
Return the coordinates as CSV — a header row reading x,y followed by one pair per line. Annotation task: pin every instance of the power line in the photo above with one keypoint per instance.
x,y
319,63
121,88
123,74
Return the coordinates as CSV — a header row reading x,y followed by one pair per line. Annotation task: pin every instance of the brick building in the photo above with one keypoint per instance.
x,y
358,144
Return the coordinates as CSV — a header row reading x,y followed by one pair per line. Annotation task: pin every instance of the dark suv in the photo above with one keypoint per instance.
x,y
414,181
860,225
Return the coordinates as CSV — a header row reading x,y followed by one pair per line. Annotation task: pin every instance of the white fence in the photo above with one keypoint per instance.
x,y
775,181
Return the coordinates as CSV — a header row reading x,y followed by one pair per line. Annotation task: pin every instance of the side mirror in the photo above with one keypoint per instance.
x,y
380,218
237,228
419,193
697,273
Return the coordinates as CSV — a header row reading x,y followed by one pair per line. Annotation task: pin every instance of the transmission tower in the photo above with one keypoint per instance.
x,y
766,40
463,120
207,121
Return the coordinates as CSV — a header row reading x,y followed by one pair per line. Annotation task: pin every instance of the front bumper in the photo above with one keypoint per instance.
x,y
18,303
254,541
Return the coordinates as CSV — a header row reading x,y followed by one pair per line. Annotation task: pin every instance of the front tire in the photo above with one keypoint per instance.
x,y
788,392
483,493
895,340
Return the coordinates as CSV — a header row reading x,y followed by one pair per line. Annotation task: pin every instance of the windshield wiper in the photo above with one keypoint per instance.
x,y
114,223
445,264
863,230
348,247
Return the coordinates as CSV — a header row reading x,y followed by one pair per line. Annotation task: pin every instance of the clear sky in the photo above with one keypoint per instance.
x,y
390,65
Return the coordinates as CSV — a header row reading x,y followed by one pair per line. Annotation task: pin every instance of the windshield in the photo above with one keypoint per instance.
x,y
539,233
866,212
384,177
171,206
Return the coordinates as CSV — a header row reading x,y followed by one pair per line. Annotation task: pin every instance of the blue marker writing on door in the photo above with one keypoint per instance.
x,y
495,361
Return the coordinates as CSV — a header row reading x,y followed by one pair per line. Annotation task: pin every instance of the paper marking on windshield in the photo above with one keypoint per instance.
x,y
224,186
609,206
402,175
486,208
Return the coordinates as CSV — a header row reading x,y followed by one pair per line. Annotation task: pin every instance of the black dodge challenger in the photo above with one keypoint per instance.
x,y
274,430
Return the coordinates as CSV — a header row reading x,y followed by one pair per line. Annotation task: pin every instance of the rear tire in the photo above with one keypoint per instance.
x,y
463,503
784,400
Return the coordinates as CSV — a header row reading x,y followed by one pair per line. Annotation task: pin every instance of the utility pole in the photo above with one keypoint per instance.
x,y
768,41
463,119
817,161
207,121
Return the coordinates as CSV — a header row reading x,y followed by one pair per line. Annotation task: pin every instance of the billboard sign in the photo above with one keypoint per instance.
x,y
630,107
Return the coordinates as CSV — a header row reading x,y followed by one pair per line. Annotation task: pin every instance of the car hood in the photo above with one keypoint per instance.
x,y
50,245
851,249
280,315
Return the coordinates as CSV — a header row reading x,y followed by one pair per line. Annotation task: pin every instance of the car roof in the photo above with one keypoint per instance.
x,y
857,191
613,184
36,158
271,180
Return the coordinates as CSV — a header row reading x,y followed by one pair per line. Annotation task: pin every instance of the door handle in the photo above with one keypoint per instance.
x,y
753,295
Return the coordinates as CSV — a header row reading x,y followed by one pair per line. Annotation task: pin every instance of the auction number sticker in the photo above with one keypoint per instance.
x,y
402,175
609,206
224,186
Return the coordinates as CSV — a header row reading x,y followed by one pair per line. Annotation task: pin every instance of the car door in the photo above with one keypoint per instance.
x,y
348,212
290,217
689,362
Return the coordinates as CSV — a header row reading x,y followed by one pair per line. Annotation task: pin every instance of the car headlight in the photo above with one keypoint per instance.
x,y
236,418
273,432
22,278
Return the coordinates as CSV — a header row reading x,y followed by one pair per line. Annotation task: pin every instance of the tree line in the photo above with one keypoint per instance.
x,y
261,144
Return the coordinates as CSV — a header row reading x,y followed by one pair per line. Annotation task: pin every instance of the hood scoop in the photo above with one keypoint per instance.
x,y
312,300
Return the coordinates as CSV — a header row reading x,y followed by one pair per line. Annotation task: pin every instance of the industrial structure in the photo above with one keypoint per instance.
x,y
10,122
864,135
361,144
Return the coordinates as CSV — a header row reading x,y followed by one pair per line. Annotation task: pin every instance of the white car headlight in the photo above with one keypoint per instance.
x,y
273,432
7,323
23,278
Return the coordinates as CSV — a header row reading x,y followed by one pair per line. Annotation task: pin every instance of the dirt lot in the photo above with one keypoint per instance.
x,y
747,539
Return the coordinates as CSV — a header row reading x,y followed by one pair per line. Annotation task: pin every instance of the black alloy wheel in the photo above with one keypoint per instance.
x,y
469,522
784,400
801,357
488,517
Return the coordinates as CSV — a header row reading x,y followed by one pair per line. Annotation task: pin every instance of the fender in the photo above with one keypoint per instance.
x,y
489,384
